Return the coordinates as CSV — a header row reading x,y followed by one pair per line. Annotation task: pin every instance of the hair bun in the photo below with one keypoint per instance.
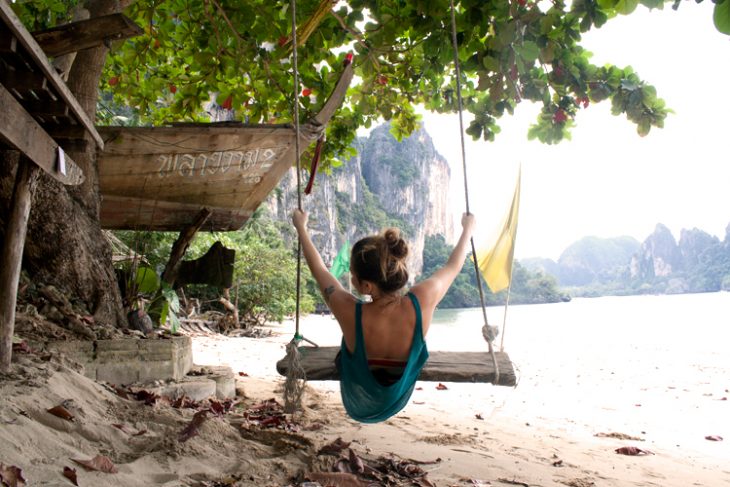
x,y
397,247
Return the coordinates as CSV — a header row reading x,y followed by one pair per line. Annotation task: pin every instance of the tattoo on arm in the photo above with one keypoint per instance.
x,y
328,292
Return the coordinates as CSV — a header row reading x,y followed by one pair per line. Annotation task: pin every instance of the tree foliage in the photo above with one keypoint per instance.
x,y
237,55
527,287
264,278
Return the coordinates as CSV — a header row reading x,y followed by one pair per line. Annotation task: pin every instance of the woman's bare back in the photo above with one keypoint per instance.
x,y
388,325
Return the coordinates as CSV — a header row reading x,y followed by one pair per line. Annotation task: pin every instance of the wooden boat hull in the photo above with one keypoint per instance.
x,y
159,178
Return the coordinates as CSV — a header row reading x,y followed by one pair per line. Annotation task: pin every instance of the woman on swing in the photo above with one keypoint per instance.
x,y
383,347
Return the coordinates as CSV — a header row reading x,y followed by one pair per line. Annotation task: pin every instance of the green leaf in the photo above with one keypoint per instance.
x,y
491,63
529,51
721,17
146,280
626,6
163,313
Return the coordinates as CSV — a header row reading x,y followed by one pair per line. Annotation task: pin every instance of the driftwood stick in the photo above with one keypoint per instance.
x,y
12,255
230,307
181,246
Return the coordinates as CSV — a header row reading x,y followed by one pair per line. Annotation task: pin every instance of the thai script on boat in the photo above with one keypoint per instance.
x,y
243,163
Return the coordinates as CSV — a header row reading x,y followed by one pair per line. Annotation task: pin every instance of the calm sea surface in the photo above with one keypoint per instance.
x,y
643,365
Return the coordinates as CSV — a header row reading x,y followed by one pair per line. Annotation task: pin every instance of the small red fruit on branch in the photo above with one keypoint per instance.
x,y
173,89
114,80
560,116
228,103
306,92
348,59
382,79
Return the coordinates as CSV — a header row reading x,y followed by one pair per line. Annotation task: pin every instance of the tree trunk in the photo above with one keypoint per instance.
x,y
65,246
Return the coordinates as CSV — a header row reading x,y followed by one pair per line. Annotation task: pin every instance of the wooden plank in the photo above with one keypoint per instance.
x,y
39,59
191,138
12,256
210,166
23,133
85,34
125,213
319,364
336,97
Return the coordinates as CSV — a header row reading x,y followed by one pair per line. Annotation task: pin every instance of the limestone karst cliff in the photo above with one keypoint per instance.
x,y
388,183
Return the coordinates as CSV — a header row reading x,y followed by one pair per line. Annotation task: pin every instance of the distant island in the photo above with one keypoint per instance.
x,y
594,266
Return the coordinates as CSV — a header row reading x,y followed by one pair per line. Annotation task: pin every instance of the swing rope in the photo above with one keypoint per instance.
x,y
486,332
296,376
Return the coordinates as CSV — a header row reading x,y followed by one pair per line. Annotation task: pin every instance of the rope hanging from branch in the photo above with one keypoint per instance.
x,y
296,377
486,331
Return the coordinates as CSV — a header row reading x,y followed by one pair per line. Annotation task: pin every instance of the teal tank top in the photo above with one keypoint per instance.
x,y
365,398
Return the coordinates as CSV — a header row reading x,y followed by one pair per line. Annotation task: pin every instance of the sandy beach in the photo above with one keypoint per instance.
x,y
477,435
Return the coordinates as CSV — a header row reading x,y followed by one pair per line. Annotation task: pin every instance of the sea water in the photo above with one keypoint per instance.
x,y
654,367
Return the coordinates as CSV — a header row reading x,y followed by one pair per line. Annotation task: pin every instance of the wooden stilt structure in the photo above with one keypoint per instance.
x,y
38,118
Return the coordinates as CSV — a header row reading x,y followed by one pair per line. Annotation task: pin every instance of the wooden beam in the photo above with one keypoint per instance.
x,y
181,246
41,61
139,214
22,132
85,34
334,102
12,256
319,364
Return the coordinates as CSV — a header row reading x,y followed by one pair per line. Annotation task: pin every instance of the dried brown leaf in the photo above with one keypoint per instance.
x,y
441,387
11,476
334,448
99,463
632,450
356,463
61,412
70,473
192,428
22,347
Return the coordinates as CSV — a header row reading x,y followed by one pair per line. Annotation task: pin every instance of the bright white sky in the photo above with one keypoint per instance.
x,y
607,181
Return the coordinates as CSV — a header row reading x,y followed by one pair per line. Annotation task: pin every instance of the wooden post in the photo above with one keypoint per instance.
x,y
181,246
12,255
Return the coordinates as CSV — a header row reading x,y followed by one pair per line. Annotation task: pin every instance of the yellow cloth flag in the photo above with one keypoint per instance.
x,y
495,262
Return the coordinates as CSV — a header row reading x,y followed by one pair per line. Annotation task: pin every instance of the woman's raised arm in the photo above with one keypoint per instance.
x,y
432,290
328,285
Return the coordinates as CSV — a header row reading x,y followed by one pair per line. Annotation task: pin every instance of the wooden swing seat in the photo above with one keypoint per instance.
x,y
319,364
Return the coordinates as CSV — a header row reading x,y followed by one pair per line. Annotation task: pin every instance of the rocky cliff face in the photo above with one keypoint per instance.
x,y
699,262
389,183
659,256
593,259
